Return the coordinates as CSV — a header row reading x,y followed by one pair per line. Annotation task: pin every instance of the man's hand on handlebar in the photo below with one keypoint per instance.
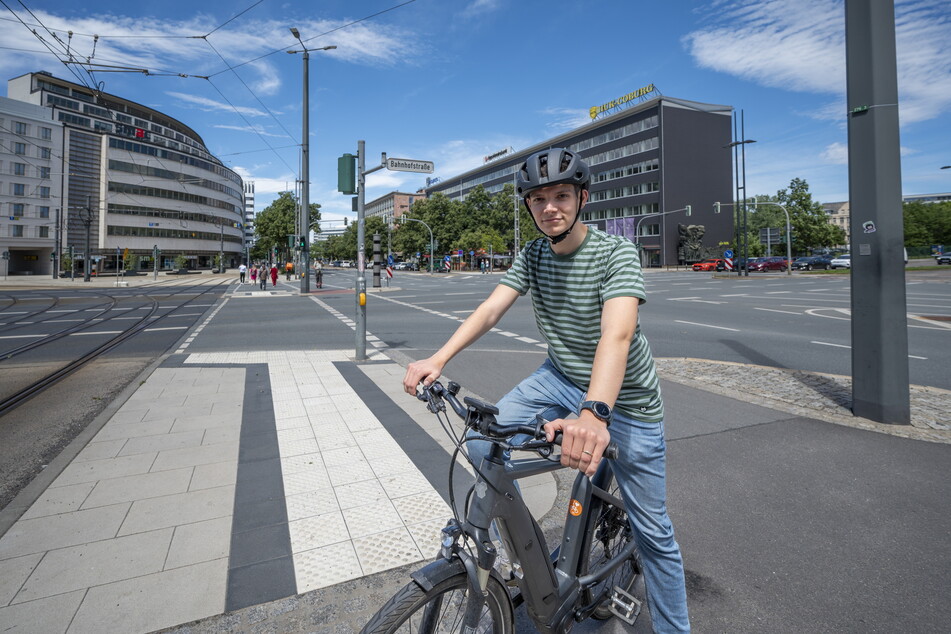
x,y
424,371
583,441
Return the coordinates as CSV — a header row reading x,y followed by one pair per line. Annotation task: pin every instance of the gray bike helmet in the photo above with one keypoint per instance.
x,y
552,167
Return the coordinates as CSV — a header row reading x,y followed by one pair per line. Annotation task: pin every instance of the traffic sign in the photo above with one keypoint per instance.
x,y
410,165
728,253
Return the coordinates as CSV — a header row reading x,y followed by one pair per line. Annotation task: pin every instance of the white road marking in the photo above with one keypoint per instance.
x,y
691,323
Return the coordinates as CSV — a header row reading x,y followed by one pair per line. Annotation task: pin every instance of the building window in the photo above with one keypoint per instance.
x,y
19,148
44,232
44,192
21,128
19,169
44,212
46,133
44,152
16,231
19,189
17,209
44,172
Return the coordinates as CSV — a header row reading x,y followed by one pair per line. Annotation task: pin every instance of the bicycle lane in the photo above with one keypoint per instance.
x,y
248,466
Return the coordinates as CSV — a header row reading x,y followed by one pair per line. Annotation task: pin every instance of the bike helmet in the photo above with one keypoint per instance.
x,y
551,167
554,166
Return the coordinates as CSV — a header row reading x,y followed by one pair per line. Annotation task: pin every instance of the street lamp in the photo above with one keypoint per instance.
x,y
432,253
303,221
739,154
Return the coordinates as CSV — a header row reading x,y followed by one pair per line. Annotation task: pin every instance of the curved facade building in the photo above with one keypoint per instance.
x,y
137,181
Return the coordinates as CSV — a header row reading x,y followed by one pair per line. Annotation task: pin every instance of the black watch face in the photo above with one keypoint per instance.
x,y
602,410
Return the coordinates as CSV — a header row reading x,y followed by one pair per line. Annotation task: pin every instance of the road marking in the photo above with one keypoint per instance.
x,y
839,345
777,292
97,332
166,328
706,325
692,299
21,336
773,310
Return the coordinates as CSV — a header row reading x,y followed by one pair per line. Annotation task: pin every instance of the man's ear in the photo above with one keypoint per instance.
x,y
584,197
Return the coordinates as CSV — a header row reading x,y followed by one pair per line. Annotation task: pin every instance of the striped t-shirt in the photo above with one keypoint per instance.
x,y
568,292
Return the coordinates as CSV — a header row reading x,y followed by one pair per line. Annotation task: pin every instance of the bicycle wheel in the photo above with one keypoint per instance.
x,y
442,608
609,532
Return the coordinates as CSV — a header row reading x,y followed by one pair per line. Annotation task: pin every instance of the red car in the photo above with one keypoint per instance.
x,y
768,264
710,264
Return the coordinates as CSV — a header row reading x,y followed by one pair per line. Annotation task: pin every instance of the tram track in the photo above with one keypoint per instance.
x,y
10,402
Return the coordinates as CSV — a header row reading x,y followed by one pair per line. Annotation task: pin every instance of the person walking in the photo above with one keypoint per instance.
x,y
586,288
262,274
318,274
242,270
274,275
254,274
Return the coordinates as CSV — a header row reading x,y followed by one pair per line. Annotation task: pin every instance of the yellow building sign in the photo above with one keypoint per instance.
x,y
640,92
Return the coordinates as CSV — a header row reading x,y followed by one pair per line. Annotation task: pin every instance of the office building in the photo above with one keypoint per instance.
x,y
649,160
137,182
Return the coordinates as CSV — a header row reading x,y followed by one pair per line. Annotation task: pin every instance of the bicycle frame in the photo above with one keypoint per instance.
x,y
550,588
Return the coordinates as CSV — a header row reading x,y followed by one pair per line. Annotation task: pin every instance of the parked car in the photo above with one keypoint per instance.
x,y
943,258
710,264
843,261
819,262
773,263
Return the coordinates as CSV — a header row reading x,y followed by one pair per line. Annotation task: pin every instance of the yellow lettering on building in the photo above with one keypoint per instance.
x,y
594,111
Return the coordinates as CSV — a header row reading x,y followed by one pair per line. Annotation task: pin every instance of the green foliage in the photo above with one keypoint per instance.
x,y
181,262
131,263
279,220
927,224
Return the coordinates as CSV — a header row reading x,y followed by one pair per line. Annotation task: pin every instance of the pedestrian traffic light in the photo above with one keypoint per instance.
x,y
302,243
346,174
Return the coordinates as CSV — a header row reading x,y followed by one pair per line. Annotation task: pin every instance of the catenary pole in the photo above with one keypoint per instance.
x,y
880,389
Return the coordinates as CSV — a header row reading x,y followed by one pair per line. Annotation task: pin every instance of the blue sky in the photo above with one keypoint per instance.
x,y
451,81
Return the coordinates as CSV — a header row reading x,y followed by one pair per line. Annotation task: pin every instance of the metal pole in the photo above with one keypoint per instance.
x,y
518,233
361,282
303,229
221,248
87,221
880,375
746,229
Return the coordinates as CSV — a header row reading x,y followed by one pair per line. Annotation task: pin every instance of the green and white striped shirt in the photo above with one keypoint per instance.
x,y
568,293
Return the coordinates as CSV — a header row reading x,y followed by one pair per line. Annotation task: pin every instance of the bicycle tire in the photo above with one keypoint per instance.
x,y
610,532
448,598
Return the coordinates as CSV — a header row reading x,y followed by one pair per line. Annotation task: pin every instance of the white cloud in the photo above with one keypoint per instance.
x,y
210,105
257,130
800,46
478,7
836,153
564,119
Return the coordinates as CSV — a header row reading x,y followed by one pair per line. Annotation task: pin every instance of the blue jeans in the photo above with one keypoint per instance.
x,y
640,470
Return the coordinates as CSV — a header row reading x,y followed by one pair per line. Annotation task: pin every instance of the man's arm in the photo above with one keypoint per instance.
x,y
585,439
477,324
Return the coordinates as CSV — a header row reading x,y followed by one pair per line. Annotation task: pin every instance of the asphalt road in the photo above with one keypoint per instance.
x,y
799,321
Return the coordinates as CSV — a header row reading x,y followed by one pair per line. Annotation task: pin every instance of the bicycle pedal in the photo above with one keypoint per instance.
x,y
624,605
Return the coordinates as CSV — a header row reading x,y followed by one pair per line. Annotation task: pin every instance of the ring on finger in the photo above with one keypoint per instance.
x,y
587,452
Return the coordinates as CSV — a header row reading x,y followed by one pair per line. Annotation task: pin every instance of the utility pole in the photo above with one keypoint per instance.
x,y
880,376
87,220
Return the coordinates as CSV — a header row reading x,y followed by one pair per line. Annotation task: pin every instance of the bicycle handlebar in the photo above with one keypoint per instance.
x,y
481,416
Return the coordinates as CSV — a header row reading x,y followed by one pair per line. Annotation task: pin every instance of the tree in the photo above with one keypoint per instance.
x,y
810,224
927,224
278,221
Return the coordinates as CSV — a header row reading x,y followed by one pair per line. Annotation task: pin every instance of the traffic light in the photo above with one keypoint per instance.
x,y
688,209
346,174
302,243
716,207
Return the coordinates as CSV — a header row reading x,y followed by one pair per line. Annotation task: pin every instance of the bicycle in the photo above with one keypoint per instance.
x,y
590,574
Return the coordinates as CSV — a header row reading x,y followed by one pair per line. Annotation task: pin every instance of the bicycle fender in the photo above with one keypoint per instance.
x,y
438,571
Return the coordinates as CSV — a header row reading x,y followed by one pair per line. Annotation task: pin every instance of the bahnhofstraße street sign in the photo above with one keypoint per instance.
x,y
409,165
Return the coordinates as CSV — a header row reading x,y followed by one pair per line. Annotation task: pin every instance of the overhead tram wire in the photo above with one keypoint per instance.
x,y
334,30
235,17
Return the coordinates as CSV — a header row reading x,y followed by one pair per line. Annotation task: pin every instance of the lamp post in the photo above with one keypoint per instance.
x,y
739,158
303,221
788,231
87,220
432,253
637,227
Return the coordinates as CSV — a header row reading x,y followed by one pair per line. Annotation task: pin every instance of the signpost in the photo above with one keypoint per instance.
x,y
409,165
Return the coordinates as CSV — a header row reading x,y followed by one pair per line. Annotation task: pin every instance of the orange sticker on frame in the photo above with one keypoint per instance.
x,y
574,508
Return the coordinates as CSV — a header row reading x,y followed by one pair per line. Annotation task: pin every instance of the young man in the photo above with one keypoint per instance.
x,y
586,287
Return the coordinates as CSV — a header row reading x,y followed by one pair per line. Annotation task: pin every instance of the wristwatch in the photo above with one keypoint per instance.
x,y
600,409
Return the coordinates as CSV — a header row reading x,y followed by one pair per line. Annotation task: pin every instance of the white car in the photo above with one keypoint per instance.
x,y
843,261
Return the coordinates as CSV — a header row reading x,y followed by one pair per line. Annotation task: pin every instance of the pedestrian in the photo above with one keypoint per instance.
x,y
586,287
274,275
242,270
288,269
254,274
318,274
262,274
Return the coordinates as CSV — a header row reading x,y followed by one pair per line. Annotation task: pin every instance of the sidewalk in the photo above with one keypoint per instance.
x,y
230,480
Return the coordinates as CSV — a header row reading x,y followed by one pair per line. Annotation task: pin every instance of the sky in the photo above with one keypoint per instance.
x,y
451,81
